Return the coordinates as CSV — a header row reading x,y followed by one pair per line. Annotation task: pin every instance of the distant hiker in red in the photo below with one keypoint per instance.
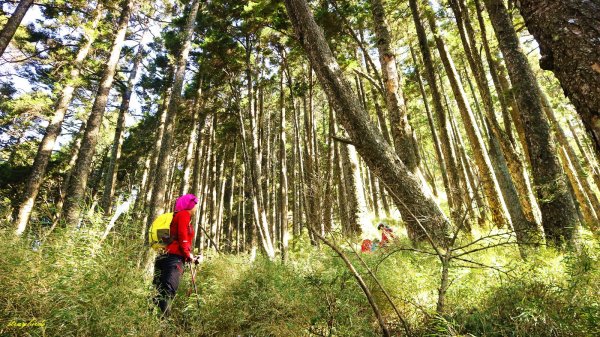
x,y
387,234
168,267
366,246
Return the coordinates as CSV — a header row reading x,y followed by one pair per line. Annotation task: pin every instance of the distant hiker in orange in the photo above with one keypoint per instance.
x,y
366,246
387,234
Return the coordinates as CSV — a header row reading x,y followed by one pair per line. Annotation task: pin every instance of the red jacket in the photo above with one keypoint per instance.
x,y
386,236
182,233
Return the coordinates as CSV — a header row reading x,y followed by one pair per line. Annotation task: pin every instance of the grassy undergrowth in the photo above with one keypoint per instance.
x,y
75,286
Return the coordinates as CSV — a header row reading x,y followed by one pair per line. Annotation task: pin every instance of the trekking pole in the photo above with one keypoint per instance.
x,y
193,273
210,239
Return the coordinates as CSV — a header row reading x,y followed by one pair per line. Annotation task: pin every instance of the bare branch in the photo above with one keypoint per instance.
x,y
370,79
342,140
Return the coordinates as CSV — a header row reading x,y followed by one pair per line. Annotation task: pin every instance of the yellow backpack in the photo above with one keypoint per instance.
x,y
159,235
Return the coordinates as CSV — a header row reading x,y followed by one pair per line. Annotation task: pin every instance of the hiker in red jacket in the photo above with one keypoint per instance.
x,y
168,267
387,234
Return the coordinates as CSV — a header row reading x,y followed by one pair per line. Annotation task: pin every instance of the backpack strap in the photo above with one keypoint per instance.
x,y
176,236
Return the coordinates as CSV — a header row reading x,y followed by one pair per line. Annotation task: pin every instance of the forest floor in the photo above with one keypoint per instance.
x,y
76,285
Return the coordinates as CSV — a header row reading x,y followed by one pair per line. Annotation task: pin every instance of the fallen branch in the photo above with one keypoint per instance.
x,y
358,278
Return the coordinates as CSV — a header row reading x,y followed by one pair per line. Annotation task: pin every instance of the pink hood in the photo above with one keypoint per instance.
x,y
185,202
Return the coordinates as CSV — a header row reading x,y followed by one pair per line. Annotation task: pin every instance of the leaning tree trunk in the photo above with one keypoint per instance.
x,y
402,132
434,133
490,185
160,183
38,169
449,160
559,216
568,32
564,142
81,171
9,29
115,154
381,158
588,162
511,157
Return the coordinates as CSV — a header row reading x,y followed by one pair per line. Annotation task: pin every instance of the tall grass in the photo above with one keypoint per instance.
x,y
79,286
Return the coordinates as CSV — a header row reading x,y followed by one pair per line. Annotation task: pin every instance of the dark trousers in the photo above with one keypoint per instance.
x,y
168,269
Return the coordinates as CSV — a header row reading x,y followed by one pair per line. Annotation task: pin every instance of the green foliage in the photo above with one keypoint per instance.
x,y
551,295
73,280
80,286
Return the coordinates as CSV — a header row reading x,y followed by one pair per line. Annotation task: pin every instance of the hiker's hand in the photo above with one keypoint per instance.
x,y
196,260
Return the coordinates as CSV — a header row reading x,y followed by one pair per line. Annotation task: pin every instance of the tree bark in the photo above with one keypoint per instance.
x,y
160,183
38,169
402,132
405,188
589,162
450,161
582,190
585,205
356,205
197,111
434,133
155,150
283,182
9,29
115,154
491,188
520,178
559,216
568,32
81,171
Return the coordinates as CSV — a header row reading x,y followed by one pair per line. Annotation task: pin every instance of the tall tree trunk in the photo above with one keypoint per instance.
x,y
468,182
160,183
115,154
254,159
520,178
357,208
489,182
568,32
155,150
375,98
260,221
572,157
500,90
375,192
219,203
81,171
283,182
231,201
9,29
588,161
559,216
585,205
192,143
405,188
140,196
338,173
73,152
402,133
38,169
328,198
454,197
434,133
